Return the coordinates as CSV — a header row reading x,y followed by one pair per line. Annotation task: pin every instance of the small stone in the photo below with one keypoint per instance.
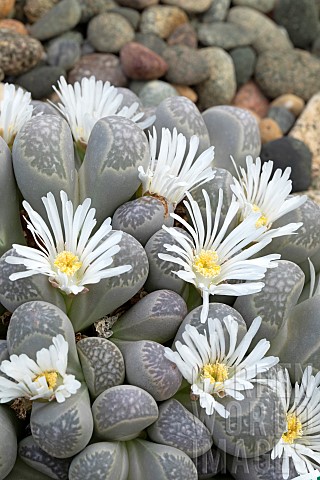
x,y
184,35
141,63
162,20
6,7
152,41
217,12
186,91
105,67
244,59
291,102
129,14
290,152
138,4
263,6
266,33
250,96
220,87
87,48
190,6
307,129
152,93
269,130
90,8
224,35
109,32
35,9
186,65
300,19
61,18
18,53
39,80
295,72
63,52
284,118
14,25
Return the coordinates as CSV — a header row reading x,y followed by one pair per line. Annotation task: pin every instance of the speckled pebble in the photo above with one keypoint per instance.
x,y
186,65
18,53
103,66
291,102
284,118
61,18
39,80
220,87
191,6
244,59
290,152
250,96
224,35
35,9
162,20
109,32
184,35
296,72
266,33
152,93
269,130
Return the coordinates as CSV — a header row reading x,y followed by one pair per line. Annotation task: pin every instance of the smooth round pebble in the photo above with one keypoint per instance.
x,y
291,102
151,41
90,8
6,7
64,53
162,20
299,18
14,25
250,96
141,63
290,152
263,6
109,32
186,65
152,93
217,12
269,130
39,80
104,66
129,14
284,118
138,4
186,91
225,35
220,87
190,6
184,35
35,9
244,59
296,72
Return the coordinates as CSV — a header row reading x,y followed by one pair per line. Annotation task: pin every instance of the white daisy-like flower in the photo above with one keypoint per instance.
x,y
172,174
45,379
256,191
301,441
15,111
214,372
70,257
314,281
83,104
211,258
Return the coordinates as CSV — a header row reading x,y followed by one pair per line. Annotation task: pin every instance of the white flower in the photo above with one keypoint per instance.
x,y
84,104
314,278
211,258
15,111
170,176
44,379
212,371
70,257
256,192
301,441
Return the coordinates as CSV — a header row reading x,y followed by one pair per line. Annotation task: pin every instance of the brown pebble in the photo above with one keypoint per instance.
x,y
35,9
104,66
250,97
141,63
14,25
186,91
291,102
6,7
184,35
162,20
269,130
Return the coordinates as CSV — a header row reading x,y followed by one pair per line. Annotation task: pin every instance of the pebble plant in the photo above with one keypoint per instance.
x,y
159,305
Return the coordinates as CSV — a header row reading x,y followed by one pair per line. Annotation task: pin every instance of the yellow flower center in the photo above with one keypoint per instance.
x,y
262,221
216,372
51,378
67,262
206,263
294,429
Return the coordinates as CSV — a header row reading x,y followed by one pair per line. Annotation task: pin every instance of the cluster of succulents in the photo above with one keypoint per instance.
x,y
135,327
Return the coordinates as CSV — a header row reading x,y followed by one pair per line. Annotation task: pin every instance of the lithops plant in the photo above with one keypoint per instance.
x,y
8,441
